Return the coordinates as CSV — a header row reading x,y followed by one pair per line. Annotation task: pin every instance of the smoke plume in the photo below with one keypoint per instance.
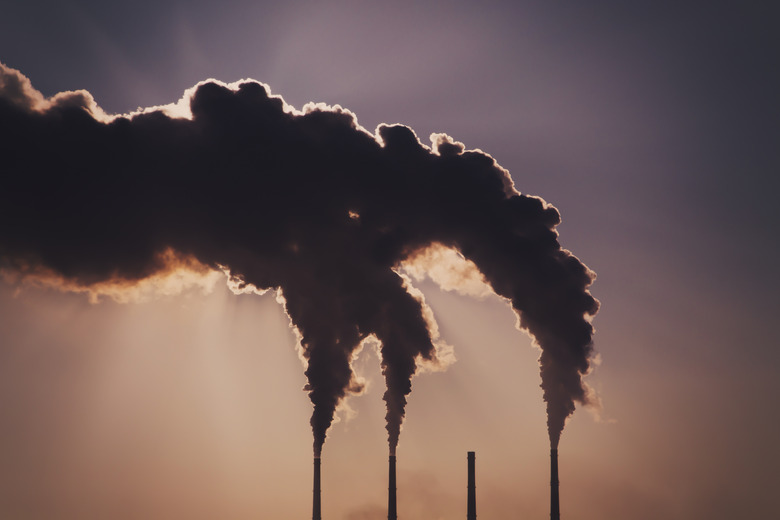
x,y
305,202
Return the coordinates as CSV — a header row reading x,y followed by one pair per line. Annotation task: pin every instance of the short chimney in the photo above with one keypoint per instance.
x,y
555,512
471,506
316,513
391,498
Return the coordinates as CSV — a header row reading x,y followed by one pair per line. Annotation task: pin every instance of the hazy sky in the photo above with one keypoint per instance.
x,y
654,130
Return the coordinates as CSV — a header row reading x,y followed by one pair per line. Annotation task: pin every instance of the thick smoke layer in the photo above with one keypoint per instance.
x,y
305,202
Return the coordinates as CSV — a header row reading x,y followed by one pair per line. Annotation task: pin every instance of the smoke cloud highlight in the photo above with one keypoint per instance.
x,y
306,202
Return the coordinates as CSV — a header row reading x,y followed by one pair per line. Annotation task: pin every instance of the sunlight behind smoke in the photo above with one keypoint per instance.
x,y
449,269
176,274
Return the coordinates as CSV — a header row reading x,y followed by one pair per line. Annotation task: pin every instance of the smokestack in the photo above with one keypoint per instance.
x,y
471,511
555,512
391,511
315,510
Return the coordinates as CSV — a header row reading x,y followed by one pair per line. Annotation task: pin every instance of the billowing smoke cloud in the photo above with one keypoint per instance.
x,y
306,202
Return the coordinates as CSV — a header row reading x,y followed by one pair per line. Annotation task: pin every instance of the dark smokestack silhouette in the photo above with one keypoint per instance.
x,y
471,501
316,508
555,511
391,498
307,203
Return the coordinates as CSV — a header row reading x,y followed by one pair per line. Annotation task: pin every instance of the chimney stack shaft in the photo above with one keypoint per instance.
x,y
316,513
471,506
391,498
555,513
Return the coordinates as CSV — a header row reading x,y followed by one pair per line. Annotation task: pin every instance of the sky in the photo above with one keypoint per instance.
x,y
653,129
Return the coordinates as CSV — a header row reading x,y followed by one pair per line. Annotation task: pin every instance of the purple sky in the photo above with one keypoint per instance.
x,y
654,130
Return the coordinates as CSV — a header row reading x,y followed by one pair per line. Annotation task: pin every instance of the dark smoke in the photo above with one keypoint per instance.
x,y
305,202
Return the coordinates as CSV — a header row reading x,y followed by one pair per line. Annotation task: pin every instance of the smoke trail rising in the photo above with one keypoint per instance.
x,y
306,202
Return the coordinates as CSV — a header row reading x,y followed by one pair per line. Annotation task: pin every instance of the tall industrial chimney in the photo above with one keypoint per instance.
x,y
391,511
555,512
471,506
315,510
